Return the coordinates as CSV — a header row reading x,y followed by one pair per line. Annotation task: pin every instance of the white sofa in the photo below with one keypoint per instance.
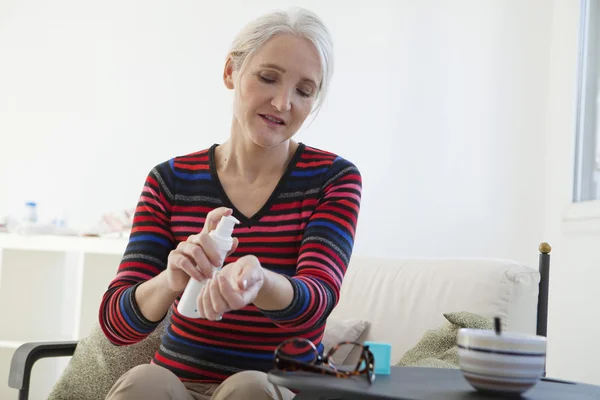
x,y
402,299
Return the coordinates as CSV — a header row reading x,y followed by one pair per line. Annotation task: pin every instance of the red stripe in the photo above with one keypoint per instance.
x,y
313,164
205,340
200,156
268,249
199,336
136,264
187,368
286,206
318,154
279,261
192,167
269,239
343,223
146,228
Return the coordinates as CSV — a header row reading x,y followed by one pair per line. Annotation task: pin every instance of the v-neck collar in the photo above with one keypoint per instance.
x,y
245,220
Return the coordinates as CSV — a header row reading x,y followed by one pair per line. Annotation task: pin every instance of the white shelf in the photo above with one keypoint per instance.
x,y
58,282
63,243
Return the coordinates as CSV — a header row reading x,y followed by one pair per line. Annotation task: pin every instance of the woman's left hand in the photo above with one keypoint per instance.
x,y
232,288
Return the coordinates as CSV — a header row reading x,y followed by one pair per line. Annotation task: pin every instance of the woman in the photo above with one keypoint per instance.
x,y
297,206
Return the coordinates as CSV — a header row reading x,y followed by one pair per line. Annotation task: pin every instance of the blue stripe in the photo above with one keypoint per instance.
x,y
334,227
190,176
320,348
267,356
151,238
310,172
303,295
306,297
125,312
310,356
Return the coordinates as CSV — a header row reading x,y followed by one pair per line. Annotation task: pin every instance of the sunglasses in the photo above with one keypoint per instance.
x,y
299,354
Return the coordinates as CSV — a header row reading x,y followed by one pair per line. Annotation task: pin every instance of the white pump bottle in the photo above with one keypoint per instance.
x,y
188,306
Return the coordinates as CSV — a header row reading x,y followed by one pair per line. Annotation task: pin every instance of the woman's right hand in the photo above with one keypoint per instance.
x,y
198,256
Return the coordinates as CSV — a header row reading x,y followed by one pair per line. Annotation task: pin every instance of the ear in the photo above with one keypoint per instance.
x,y
228,73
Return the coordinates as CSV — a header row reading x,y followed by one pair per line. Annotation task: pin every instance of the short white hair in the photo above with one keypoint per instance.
x,y
295,21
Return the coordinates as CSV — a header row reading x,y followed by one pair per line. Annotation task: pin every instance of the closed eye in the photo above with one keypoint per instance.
x,y
266,80
271,81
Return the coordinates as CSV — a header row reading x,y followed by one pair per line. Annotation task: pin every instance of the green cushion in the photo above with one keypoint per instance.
x,y
97,364
437,348
469,320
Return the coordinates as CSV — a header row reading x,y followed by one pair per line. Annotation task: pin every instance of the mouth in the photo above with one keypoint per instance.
x,y
272,120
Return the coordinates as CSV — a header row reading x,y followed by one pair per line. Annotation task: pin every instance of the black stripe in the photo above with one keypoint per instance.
x,y
506,353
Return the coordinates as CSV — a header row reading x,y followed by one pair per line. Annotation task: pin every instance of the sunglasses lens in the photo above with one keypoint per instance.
x,y
344,356
300,350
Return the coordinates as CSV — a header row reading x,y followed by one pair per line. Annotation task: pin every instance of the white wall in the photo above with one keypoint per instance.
x,y
440,104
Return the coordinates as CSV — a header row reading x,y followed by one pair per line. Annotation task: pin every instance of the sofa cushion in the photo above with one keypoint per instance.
x,y
342,330
403,298
97,364
437,348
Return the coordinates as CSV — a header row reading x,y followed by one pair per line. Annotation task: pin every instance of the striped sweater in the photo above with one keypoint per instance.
x,y
305,231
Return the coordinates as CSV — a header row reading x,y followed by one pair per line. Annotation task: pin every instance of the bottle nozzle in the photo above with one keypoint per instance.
x,y
225,226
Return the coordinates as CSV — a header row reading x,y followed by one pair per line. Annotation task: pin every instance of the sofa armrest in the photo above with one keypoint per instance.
x,y
27,354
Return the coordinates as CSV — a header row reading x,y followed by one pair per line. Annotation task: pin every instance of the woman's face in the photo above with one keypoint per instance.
x,y
276,90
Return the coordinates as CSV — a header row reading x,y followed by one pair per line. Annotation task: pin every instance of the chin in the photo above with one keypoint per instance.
x,y
268,141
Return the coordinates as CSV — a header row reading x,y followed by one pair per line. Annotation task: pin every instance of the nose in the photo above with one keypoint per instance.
x,y
282,100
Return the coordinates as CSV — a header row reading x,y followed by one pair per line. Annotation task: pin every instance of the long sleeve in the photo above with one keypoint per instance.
x,y
325,250
150,243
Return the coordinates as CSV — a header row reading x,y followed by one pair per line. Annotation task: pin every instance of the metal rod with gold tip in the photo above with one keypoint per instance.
x,y
542,310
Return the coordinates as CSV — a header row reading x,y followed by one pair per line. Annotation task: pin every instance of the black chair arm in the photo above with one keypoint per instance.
x,y
27,354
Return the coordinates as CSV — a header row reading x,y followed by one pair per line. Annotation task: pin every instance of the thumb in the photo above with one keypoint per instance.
x,y
233,247
249,285
214,216
249,275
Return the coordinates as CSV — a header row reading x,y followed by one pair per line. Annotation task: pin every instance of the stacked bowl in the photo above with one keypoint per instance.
x,y
502,363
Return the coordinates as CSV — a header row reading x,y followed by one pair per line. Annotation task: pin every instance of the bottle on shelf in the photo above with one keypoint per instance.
x,y
31,214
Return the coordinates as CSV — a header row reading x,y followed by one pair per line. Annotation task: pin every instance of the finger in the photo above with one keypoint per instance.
x,y
191,260
218,302
201,302
179,261
233,247
207,306
198,257
251,292
232,294
209,247
213,218
250,272
210,250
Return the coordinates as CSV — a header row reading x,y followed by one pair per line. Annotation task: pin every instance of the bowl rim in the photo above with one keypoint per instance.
x,y
502,337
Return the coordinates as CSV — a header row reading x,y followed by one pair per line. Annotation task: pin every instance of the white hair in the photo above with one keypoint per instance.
x,y
296,21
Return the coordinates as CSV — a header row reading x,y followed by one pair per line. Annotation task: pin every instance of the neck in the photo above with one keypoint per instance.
x,y
249,162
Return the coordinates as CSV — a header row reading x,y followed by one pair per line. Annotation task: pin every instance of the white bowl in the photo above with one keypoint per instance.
x,y
509,363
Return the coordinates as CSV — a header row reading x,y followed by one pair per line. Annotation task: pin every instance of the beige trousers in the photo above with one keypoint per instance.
x,y
149,381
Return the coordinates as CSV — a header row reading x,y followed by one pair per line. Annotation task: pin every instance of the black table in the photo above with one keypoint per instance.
x,y
412,383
